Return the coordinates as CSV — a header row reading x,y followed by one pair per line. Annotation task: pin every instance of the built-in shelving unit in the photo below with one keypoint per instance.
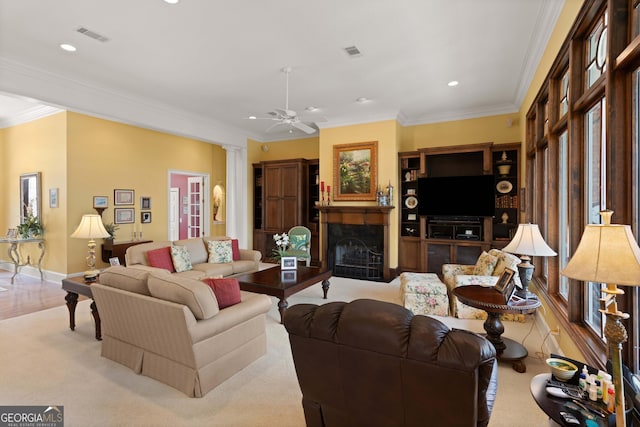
x,y
425,243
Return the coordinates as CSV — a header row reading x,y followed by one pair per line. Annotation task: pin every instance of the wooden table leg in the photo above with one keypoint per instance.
x,y
325,288
96,319
507,350
72,301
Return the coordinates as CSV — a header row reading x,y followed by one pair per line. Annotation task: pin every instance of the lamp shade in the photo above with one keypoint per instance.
x,y
90,227
607,253
528,241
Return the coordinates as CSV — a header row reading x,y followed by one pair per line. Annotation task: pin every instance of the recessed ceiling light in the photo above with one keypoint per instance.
x,y
362,100
452,83
311,109
171,1
252,117
68,47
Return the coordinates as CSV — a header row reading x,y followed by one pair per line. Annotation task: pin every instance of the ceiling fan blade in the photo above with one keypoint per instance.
x,y
303,127
273,126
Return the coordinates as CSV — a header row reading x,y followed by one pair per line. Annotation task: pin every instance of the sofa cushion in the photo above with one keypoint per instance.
x,y
127,279
161,258
227,291
209,269
190,292
235,249
220,251
181,258
485,265
197,249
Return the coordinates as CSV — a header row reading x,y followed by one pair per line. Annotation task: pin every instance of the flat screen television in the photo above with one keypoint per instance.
x,y
457,196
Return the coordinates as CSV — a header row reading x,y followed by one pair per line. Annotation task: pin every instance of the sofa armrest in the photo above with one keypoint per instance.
x,y
450,271
250,255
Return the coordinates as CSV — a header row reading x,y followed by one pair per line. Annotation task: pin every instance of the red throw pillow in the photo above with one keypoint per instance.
x,y
235,250
161,258
227,291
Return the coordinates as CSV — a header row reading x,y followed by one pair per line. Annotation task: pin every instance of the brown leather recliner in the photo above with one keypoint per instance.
x,y
373,363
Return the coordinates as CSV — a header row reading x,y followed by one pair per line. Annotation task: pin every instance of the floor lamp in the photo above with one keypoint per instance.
x,y
527,242
91,228
608,253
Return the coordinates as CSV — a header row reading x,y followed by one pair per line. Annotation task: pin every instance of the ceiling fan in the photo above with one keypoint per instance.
x,y
286,116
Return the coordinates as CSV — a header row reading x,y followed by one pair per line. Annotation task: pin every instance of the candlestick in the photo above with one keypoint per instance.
x,y
322,186
328,195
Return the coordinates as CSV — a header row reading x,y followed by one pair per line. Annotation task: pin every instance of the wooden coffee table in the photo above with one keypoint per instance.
x,y
77,286
492,301
284,283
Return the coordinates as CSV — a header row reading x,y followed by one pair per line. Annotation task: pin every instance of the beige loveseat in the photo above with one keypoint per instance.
x,y
136,257
170,328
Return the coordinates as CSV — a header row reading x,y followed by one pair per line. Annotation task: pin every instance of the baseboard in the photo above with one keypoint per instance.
x,y
33,272
549,342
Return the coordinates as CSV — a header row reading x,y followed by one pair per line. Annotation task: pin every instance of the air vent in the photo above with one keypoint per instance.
x,y
92,34
353,51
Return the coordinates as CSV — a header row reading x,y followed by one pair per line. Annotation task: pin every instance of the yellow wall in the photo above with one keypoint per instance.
x,y
38,146
85,156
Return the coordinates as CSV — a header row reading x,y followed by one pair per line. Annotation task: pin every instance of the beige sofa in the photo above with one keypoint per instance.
x,y
198,250
170,328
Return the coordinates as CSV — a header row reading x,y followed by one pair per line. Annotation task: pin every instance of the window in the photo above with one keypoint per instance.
x,y
563,211
596,51
564,94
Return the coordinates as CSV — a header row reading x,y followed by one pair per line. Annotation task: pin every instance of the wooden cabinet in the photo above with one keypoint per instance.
x,y
283,198
118,250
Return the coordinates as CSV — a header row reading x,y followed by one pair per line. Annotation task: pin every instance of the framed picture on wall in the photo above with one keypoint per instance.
x,y
100,201
145,202
123,215
355,171
53,197
123,197
145,217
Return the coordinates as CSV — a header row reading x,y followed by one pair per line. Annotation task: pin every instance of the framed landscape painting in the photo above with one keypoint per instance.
x,y
355,171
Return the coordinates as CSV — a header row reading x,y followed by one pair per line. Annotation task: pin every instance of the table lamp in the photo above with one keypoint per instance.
x,y
91,228
527,242
608,253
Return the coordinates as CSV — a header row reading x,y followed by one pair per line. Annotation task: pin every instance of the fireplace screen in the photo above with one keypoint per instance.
x,y
354,259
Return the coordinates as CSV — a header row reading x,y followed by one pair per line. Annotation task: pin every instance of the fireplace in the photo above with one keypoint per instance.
x,y
355,241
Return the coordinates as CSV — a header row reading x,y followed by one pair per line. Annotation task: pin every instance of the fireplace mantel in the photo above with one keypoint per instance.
x,y
357,215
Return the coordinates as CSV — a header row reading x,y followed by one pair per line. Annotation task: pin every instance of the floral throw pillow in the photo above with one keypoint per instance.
x,y
485,265
181,258
298,242
220,251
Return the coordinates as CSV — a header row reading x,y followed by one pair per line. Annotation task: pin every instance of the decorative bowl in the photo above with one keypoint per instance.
x,y
561,369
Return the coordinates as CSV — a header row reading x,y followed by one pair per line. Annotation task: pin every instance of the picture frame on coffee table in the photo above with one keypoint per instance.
x,y
288,263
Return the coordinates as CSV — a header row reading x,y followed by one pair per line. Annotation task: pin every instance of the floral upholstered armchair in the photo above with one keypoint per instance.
x,y
485,272
300,243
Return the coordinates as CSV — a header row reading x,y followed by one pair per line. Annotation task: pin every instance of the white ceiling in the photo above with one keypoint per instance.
x,y
215,63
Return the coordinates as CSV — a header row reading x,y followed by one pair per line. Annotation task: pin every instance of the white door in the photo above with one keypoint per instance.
x,y
174,213
196,207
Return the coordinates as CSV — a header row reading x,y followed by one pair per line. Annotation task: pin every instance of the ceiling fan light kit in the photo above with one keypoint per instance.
x,y
287,117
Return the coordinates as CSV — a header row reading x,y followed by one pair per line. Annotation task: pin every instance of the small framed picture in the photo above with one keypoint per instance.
x,y
411,217
145,202
100,201
411,191
53,197
123,197
114,261
145,217
505,284
123,216
288,276
12,233
288,263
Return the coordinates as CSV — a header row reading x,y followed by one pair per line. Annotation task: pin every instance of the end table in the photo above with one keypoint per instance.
x,y
77,286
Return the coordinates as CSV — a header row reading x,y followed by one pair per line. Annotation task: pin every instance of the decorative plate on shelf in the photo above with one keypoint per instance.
x,y
504,187
411,202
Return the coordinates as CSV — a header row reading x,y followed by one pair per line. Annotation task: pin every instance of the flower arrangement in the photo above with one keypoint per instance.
x,y
31,226
282,244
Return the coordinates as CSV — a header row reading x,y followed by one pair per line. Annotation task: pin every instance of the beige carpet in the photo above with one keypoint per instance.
x,y
45,363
